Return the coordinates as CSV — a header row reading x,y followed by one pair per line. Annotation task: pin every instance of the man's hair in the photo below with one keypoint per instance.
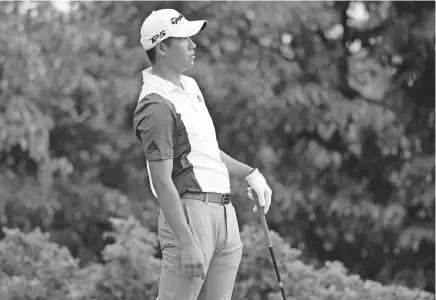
x,y
151,53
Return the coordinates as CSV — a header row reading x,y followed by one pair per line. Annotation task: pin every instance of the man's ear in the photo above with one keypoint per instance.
x,y
161,48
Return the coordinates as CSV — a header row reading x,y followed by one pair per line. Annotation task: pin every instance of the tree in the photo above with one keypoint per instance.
x,y
335,100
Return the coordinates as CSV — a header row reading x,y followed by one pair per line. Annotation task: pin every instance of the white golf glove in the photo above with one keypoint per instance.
x,y
258,183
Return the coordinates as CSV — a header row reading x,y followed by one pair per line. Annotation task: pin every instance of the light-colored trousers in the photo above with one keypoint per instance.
x,y
215,228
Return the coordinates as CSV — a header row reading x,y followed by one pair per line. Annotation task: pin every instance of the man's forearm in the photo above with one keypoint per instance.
x,y
171,205
235,168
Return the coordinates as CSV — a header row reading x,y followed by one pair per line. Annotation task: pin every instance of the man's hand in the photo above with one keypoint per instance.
x,y
193,261
258,183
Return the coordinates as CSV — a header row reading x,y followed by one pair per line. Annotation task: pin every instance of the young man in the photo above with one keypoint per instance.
x,y
189,174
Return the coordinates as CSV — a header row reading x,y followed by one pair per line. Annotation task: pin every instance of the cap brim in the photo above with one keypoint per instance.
x,y
189,28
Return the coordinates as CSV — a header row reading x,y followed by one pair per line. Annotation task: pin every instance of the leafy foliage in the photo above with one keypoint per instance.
x,y
131,271
32,267
334,99
43,270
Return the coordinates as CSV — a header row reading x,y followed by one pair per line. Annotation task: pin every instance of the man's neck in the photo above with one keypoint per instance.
x,y
167,74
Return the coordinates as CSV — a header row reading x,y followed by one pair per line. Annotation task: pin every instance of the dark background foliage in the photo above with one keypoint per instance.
x,y
332,101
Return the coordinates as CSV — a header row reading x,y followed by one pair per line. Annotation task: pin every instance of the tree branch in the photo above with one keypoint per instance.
x,y
344,87
335,143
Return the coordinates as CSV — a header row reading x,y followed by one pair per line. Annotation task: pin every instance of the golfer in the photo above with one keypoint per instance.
x,y
197,227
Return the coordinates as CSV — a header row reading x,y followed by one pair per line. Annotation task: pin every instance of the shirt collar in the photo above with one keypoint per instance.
x,y
157,82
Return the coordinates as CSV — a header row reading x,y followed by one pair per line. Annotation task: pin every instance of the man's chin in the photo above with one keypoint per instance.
x,y
189,67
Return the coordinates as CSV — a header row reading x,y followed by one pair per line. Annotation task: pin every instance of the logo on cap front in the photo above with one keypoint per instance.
x,y
176,20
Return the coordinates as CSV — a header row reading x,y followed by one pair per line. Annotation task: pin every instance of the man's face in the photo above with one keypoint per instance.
x,y
180,53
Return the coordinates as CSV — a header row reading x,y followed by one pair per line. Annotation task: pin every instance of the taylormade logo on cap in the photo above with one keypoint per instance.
x,y
165,23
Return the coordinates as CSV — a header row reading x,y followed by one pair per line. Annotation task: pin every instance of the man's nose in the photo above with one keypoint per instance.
x,y
192,44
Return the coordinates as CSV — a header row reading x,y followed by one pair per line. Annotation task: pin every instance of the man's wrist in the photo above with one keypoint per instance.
x,y
247,176
252,170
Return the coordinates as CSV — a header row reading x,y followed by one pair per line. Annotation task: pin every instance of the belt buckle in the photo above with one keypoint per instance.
x,y
226,197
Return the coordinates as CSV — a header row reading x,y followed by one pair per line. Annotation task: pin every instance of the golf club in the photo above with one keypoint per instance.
x,y
268,240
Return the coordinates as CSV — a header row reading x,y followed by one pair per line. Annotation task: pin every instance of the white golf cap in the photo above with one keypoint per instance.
x,y
165,23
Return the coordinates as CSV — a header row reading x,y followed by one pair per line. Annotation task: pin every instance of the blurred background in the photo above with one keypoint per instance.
x,y
333,101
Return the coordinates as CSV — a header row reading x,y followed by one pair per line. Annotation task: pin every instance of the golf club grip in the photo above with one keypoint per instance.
x,y
269,241
262,219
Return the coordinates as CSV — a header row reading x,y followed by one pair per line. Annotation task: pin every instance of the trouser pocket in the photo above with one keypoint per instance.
x,y
187,217
163,222
194,227
166,234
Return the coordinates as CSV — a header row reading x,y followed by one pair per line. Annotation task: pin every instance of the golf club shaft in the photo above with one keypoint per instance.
x,y
269,241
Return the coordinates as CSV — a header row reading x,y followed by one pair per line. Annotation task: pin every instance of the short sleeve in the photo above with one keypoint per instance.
x,y
155,125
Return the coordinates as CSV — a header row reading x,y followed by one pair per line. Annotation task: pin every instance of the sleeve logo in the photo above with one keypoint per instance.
x,y
152,147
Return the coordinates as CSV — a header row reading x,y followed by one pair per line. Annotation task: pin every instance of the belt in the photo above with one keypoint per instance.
x,y
209,197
